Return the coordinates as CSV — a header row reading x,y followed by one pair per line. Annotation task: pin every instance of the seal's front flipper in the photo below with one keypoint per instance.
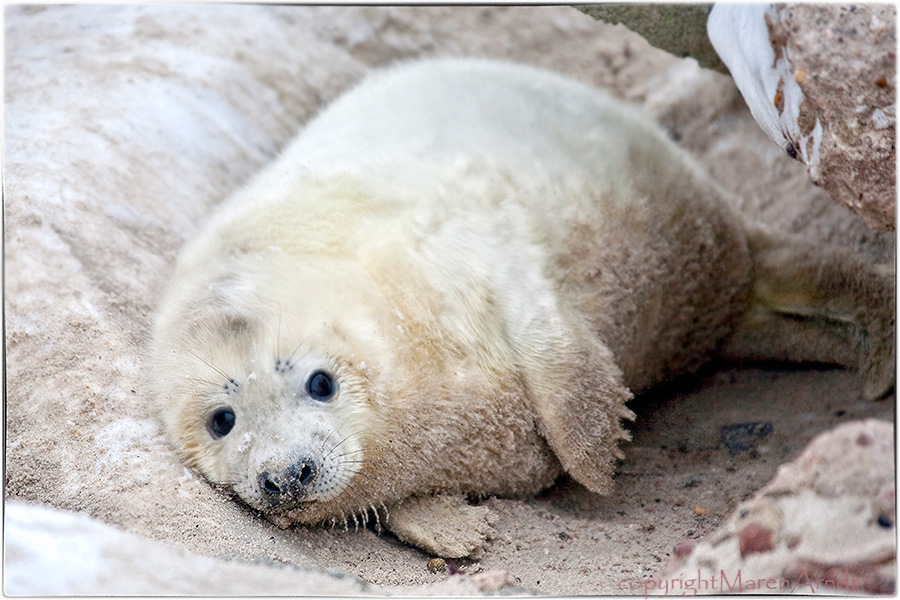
x,y
578,397
443,525
817,303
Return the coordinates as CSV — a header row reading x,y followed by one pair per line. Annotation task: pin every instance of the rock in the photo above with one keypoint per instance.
x,y
820,80
679,29
436,565
54,552
685,547
825,522
742,437
755,538
490,582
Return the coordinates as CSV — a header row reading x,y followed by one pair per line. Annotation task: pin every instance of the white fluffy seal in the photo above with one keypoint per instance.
x,y
452,281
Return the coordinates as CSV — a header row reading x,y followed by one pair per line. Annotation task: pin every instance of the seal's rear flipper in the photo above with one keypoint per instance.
x,y
815,303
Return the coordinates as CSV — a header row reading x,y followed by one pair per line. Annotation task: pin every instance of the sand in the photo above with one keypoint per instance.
x,y
126,125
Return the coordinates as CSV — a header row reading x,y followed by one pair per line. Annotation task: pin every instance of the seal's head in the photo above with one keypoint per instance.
x,y
264,381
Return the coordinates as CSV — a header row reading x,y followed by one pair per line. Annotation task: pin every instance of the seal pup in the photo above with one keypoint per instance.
x,y
451,283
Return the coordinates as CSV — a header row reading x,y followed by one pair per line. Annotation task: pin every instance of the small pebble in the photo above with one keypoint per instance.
x,y
685,547
437,565
755,539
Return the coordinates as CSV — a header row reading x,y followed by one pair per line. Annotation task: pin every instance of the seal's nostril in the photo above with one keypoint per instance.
x,y
268,484
306,474
284,484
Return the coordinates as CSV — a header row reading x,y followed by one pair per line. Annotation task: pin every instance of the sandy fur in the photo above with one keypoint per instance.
x,y
488,277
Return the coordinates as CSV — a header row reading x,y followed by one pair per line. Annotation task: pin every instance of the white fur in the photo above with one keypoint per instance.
x,y
504,249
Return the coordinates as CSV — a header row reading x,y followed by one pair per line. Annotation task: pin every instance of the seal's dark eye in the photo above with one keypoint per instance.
x,y
320,386
220,422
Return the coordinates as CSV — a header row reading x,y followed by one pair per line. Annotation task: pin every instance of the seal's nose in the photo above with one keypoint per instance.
x,y
282,484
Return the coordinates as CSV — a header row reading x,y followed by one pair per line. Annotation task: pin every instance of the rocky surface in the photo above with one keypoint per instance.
x,y
844,61
826,522
821,81
52,552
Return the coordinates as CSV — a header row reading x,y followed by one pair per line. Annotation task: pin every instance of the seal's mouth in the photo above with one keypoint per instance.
x,y
293,509
280,513
283,507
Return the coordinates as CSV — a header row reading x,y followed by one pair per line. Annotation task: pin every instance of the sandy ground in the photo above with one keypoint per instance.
x,y
126,125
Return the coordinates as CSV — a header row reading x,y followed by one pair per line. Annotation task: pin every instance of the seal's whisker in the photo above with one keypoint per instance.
x,y
361,498
278,336
328,437
380,479
225,483
377,519
336,446
373,462
290,358
368,476
361,512
371,450
219,371
204,381
349,452
346,487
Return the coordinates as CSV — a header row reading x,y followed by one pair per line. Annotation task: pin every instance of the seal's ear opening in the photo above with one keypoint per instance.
x,y
579,401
